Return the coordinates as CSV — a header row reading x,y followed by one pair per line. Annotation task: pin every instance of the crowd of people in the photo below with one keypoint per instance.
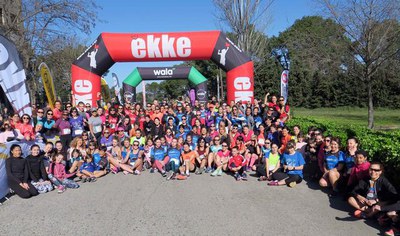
x,y
72,144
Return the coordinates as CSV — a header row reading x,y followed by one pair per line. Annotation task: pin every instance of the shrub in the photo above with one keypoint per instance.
x,y
382,146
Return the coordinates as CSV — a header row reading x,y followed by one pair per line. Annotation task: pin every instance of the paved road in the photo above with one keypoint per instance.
x,y
201,205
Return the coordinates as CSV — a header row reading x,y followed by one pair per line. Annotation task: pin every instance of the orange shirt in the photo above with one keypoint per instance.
x,y
284,141
189,156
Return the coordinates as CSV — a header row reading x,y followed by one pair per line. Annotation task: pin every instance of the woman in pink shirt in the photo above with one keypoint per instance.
x,y
25,128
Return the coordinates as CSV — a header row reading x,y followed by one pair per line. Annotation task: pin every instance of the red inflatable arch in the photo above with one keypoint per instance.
x,y
179,46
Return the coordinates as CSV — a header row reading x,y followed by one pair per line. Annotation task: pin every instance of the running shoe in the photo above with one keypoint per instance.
x,y
262,178
292,184
93,179
244,176
136,172
84,180
170,175
201,170
392,231
61,189
359,214
273,183
219,172
164,174
237,176
152,170
181,177
215,172
208,170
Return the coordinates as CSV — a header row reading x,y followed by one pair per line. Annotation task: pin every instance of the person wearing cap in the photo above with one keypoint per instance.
x,y
95,125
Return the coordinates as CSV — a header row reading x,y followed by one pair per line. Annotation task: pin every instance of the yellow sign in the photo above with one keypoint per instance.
x,y
105,90
47,80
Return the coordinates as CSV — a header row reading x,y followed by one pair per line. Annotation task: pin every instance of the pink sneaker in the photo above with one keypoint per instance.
x,y
61,189
273,183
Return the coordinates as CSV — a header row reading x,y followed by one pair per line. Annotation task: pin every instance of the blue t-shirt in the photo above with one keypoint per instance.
x,y
158,153
349,160
295,160
333,159
132,156
174,155
76,125
90,167
265,151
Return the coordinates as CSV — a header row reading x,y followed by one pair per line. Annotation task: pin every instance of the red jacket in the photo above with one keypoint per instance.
x,y
358,172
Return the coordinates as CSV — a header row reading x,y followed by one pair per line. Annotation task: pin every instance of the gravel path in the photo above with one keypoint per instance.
x,y
202,205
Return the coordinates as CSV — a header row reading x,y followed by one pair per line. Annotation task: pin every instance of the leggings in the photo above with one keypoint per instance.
x,y
20,191
171,166
65,182
42,187
288,178
157,164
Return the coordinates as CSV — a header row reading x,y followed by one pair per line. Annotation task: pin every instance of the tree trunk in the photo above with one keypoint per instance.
x,y
370,106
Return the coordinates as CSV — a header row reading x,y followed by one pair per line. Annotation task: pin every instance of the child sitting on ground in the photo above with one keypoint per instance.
x,y
87,169
58,176
237,164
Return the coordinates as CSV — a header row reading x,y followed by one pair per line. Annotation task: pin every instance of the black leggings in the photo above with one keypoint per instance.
x,y
260,170
20,191
288,178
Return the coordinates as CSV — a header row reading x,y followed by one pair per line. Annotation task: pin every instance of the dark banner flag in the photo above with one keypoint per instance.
x,y
281,54
12,77
129,93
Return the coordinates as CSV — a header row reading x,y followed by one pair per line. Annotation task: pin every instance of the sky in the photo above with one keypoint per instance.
x,y
147,16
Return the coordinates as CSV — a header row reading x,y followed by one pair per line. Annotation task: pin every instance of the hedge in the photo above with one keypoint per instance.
x,y
381,146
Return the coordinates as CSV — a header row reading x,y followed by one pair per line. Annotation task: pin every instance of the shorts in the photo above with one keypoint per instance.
x,y
132,163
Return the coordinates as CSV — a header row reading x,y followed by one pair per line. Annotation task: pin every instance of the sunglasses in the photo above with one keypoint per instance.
x,y
25,118
40,112
216,139
87,106
374,170
224,145
68,106
106,132
49,114
135,145
267,143
327,140
84,135
281,100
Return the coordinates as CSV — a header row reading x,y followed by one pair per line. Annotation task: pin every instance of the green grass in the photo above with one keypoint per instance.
x,y
385,119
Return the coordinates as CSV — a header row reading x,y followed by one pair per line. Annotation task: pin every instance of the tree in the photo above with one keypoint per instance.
x,y
39,27
373,28
247,20
318,53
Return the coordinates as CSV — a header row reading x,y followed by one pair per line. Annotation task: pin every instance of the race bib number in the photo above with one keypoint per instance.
x,y
78,132
97,129
66,131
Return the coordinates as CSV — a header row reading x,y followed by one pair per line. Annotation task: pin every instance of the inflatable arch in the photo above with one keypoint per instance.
x,y
109,48
196,79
